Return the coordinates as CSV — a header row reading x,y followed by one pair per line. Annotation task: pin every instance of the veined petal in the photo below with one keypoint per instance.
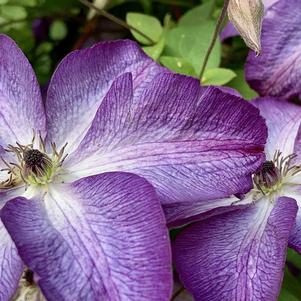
x,y
228,90
99,238
82,80
191,143
283,122
11,265
178,214
239,255
292,189
21,108
276,72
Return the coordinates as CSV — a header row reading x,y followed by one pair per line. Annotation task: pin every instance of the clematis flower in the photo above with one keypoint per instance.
x,y
277,71
240,253
88,225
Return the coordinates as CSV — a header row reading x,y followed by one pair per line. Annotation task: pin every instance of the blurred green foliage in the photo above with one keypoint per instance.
x,y
38,26
180,32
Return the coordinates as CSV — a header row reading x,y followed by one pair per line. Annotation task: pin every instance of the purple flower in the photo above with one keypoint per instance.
x,y
276,72
239,253
87,225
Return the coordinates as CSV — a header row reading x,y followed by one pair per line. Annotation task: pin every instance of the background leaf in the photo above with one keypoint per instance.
x,y
155,51
58,30
149,25
191,42
198,14
217,76
239,83
178,65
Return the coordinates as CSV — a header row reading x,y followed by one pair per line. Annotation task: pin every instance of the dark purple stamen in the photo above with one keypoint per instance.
x,y
36,161
268,175
33,157
28,276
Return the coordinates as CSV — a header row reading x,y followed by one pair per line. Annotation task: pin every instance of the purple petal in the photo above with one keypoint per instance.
x,y
295,235
292,189
178,214
283,121
21,108
269,3
191,143
83,79
229,31
11,265
276,72
239,255
100,238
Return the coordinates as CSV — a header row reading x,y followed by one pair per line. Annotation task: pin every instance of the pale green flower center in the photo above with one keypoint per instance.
x,y
33,165
273,174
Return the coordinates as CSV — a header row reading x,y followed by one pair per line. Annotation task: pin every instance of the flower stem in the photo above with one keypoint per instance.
x,y
177,293
115,19
214,36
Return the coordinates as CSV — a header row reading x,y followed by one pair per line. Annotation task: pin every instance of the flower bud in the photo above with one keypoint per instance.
x,y
100,4
246,16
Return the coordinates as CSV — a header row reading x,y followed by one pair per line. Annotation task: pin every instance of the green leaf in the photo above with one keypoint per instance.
x,y
178,65
58,6
12,12
217,76
147,5
198,14
148,25
114,3
58,30
43,48
287,296
168,23
191,43
3,2
25,2
291,284
294,257
42,66
23,37
155,51
239,83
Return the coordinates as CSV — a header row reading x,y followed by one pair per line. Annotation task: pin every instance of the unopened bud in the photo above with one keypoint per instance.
x,y
100,4
246,16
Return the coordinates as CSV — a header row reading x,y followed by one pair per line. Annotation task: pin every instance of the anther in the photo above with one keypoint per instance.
x,y
268,176
36,162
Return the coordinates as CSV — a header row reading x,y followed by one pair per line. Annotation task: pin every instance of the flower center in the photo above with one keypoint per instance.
x,y
27,288
268,177
272,173
36,162
34,166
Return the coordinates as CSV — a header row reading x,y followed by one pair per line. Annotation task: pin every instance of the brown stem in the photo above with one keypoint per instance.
x,y
115,19
214,36
88,30
177,293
